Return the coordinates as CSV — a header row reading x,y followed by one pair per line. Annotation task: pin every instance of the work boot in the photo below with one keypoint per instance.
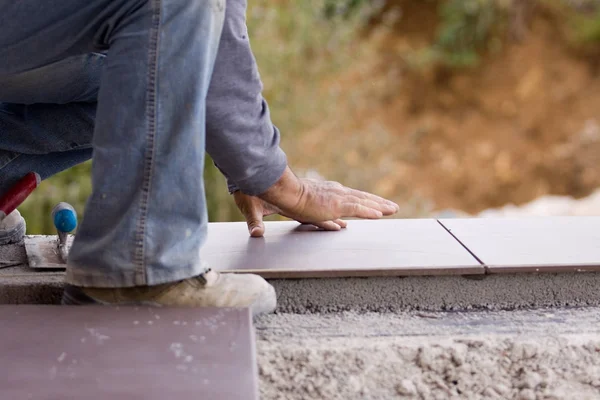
x,y
12,228
210,289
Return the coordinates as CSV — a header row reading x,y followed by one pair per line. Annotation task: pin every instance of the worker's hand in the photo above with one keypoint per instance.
x,y
255,209
313,201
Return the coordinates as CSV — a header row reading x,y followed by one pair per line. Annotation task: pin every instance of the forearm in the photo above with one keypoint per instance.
x,y
240,136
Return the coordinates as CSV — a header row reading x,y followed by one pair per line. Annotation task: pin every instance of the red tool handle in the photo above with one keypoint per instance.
x,y
18,193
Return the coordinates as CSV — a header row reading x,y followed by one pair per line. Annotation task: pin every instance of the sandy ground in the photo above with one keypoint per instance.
x,y
550,206
535,354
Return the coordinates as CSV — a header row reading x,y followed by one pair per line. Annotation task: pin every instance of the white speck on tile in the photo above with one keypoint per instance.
x,y
74,361
176,322
188,359
136,322
100,338
177,349
62,357
198,323
206,382
188,232
82,340
193,338
157,316
150,322
184,323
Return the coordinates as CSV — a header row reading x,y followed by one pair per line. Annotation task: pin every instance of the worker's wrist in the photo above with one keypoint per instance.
x,y
286,193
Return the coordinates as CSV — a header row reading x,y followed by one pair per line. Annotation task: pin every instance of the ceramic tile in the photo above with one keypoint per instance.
x,y
61,352
533,244
364,248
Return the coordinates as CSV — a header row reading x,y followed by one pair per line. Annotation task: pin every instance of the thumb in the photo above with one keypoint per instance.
x,y
251,209
254,219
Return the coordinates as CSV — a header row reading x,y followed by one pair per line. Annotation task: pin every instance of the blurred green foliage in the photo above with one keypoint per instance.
x,y
587,28
467,28
584,28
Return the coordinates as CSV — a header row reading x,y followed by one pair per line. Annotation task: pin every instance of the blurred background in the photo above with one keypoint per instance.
x,y
448,107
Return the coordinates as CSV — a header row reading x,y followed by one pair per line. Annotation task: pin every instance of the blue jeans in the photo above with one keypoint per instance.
x,y
141,110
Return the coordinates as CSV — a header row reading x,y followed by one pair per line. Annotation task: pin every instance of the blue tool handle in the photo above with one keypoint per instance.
x,y
64,217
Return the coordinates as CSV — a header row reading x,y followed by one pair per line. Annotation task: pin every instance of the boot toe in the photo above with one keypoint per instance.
x,y
265,301
12,229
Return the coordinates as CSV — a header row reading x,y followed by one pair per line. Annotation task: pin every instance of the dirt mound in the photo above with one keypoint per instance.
x,y
523,124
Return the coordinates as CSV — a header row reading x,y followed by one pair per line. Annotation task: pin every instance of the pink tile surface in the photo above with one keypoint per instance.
x,y
62,352
534,244
365,248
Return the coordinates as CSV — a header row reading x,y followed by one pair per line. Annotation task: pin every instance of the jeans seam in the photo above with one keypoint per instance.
x,y
151,111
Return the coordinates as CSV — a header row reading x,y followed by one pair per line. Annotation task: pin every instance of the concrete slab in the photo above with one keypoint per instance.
x,y
533,354
534,244
365,248
51,352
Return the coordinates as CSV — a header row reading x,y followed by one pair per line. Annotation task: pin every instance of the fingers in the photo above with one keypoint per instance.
x,y
390,205
328,225
341,223
357,210
326,201
384,207
334,225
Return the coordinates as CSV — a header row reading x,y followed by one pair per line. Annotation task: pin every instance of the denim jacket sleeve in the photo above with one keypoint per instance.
x,y
240,137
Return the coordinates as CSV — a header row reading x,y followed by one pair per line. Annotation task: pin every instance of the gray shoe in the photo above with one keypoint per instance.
x,y
211,289
12,228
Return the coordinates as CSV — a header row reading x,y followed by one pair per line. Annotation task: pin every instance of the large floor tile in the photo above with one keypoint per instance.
x,y
364,248
533,244
61,352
